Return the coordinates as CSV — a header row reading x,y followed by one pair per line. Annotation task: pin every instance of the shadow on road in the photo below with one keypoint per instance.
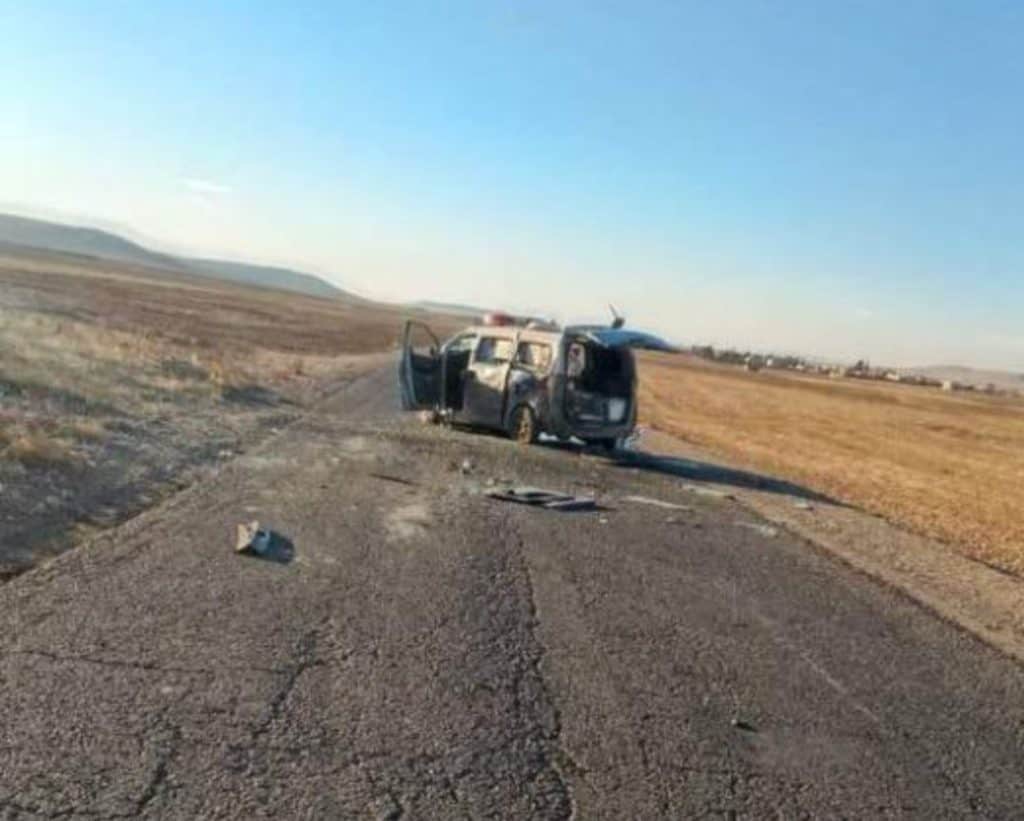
x,y
694,470
697,471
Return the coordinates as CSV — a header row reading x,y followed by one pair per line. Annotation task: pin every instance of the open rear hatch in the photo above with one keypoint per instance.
x,y
600,382
623,338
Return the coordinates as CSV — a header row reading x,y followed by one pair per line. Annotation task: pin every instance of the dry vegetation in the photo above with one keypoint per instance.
x,y
949,466
118,382
81,339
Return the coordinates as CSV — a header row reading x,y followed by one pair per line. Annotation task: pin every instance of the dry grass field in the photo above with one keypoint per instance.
x,y
950,466
119,384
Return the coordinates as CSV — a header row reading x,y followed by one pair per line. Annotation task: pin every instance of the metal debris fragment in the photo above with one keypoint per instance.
x,y
539,497
765,530
575,503
388,477
647,500
251,538
263,543
708,491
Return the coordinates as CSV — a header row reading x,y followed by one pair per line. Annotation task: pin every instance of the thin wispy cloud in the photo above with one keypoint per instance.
x,y
205,187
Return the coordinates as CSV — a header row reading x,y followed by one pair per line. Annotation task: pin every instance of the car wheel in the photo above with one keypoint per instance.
x,y
523,426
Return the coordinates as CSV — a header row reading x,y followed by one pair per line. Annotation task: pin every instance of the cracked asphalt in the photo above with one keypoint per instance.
x,y
433,653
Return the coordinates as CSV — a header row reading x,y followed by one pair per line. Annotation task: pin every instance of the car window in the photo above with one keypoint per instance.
x,y
534,355
576,360
462,343
494,350
422,342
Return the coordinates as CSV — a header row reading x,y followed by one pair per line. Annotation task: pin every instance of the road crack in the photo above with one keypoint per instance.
x,y
305,660
556,757
158,779
143,665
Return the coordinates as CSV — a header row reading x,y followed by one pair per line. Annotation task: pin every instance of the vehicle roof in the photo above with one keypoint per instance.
x,y
599,334
509,331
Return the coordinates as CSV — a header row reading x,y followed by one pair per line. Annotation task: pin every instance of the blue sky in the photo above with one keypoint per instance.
x,y
840,179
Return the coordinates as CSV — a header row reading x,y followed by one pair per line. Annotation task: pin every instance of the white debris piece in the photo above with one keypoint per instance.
x,y
646,500
252,538
708,491
765,530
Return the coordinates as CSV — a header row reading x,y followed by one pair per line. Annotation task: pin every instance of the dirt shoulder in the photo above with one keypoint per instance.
x,y
70,470
984,600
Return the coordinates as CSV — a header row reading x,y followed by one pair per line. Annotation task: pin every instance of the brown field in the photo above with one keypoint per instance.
x,y
950,466
194,312
120,384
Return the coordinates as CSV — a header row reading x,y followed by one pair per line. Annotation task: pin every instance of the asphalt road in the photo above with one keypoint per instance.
x,y
432,653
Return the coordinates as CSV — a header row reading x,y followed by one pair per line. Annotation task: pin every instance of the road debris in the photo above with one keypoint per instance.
x,y
765,530
575,503
708,491
539,497
466,467
746,726
647,500
251,538
428,417
263,543
803,505
388,477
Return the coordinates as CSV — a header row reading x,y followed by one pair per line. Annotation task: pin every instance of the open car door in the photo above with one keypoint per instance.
x,y
419,372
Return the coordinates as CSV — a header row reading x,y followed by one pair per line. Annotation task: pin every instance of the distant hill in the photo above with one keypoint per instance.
x,y
265,275
1005,380
92,242
72,239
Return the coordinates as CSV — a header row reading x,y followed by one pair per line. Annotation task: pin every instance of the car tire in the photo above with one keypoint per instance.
x,y
523,426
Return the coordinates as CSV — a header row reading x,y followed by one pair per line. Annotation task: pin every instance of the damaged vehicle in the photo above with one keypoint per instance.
x,y
528,378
